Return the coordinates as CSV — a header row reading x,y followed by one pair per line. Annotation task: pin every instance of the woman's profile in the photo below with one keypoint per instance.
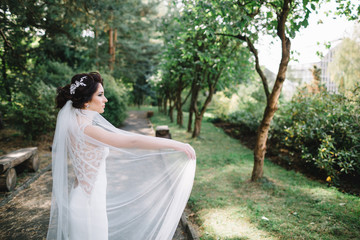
x,y
109,183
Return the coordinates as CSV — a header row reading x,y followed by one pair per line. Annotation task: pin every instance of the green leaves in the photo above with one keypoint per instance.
x,y
323,129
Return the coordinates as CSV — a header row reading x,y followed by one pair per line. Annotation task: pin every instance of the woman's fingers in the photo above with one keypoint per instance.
x,y
190,152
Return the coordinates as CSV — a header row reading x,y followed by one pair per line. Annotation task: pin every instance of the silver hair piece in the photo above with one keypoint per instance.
x,y
77,84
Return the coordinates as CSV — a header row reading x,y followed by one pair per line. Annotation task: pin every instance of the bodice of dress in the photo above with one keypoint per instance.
x,y
87,160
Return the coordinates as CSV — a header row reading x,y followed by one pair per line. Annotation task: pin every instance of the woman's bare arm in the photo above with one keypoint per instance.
x,y
137,141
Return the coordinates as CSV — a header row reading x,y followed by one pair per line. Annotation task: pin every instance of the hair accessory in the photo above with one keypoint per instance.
x,y
77,84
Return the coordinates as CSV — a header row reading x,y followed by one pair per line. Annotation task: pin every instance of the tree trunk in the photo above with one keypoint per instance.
x,y
1,122
111,47
97,47
262,134
271,106
194,96
212,82
171,111
165,105
197,125
189,127
159,101
113,57
178,106
5,79
177,102
180,117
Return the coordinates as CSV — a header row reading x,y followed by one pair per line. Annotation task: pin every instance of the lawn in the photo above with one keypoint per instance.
x,y
283,205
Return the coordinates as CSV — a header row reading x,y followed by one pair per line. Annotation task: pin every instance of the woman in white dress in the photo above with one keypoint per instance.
x,y
109,183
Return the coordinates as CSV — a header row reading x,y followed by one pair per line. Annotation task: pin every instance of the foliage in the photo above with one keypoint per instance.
x,y
349,9
196,58
249,110
324,129
285,205
54,74
43,44
115,111
33,112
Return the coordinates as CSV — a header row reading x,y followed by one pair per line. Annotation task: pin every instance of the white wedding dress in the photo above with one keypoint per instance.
x,y
88,217
105,191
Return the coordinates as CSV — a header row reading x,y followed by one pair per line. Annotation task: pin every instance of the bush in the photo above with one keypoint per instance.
x,y
248,118
250,111
115,111
54,73
324,130
33,112
321,132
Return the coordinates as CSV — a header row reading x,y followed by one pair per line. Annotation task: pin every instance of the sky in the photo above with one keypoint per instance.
x,y
305,43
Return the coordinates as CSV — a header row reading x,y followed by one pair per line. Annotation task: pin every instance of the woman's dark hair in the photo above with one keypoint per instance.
x,y
80,91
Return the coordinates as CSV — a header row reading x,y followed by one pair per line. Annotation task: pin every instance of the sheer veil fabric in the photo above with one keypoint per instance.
x,y
121,193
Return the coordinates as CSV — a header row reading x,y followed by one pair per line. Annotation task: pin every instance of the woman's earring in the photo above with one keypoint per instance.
x,y
87,106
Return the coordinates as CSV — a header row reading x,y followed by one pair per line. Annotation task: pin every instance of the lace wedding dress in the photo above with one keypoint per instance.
x,y
104,191
88,217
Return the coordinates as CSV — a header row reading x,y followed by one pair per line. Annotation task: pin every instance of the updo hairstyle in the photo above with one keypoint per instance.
x,y
84,86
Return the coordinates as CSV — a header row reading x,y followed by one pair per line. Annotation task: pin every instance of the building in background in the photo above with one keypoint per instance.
x,y
302,73
325,71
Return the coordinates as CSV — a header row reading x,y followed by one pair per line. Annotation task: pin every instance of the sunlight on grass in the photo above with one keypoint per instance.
x,y
282,205
231,223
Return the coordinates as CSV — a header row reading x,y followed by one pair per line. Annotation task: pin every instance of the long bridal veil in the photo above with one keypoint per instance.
x,y
146,191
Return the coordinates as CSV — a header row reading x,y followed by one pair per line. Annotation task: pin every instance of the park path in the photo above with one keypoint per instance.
x,y
25,214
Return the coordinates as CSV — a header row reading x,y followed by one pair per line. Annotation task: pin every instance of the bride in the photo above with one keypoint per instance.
x,y
109,183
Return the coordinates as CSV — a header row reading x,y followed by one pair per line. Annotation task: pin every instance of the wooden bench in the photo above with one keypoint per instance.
x,y
163,131
25,156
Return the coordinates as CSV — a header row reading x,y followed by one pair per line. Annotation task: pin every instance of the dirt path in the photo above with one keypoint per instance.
x,y
26,215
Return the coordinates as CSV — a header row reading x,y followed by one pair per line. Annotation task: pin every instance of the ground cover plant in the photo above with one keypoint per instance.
x,y
283,205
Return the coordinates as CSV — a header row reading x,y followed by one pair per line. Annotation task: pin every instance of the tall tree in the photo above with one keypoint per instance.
x,y
248,21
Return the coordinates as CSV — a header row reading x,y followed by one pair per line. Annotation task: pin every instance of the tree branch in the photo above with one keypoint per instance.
x,y
258,68
257,62
186,98
285,41
6,41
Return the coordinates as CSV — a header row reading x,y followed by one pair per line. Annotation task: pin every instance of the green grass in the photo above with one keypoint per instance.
x,y
283,205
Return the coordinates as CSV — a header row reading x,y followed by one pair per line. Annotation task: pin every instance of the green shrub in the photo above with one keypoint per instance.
x,y
33,112
248,111
54,73
248,118
115,111
324,130
321,132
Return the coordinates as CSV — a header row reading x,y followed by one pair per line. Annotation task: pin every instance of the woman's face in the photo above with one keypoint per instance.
x,y
98,100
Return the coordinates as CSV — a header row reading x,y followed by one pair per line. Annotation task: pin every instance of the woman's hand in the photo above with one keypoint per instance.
x,y
186,148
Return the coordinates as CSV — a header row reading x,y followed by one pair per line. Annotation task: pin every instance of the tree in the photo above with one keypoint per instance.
x,y
248,21
42,44
203,56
